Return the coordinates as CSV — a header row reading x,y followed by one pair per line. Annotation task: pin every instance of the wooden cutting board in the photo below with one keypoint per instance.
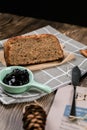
x,y
68,57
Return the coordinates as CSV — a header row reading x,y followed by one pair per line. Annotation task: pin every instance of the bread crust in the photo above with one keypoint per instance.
x,y
83,52
32,49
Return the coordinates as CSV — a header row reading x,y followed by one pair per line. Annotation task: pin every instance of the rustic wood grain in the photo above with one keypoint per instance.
x,y
12,25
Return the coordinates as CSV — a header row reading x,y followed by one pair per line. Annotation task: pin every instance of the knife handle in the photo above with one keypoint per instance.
x,y
73,107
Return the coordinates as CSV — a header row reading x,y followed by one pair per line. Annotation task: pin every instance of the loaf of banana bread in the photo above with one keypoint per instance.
x,y
32,49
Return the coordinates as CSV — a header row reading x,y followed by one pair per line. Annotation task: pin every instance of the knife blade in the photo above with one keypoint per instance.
x,y
83,76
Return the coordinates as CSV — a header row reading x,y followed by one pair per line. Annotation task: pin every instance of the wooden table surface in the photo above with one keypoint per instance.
x,y
12,25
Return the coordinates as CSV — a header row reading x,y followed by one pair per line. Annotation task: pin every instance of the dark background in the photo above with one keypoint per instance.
x,y
73,12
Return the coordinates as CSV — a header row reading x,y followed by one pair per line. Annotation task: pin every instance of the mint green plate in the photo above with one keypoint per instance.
x,y
20,89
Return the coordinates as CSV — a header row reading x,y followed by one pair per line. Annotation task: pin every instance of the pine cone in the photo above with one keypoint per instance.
x,y
34,117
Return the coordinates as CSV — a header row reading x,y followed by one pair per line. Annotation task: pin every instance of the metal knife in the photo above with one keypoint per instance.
x,y
76,75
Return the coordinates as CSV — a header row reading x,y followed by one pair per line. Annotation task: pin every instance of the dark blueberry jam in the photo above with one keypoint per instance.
x,y
17,77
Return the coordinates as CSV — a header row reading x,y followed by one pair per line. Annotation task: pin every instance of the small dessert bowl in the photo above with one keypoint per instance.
x,y
21,88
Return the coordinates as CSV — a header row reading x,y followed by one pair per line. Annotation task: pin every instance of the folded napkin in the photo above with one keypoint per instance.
x,y
58,116
7,98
